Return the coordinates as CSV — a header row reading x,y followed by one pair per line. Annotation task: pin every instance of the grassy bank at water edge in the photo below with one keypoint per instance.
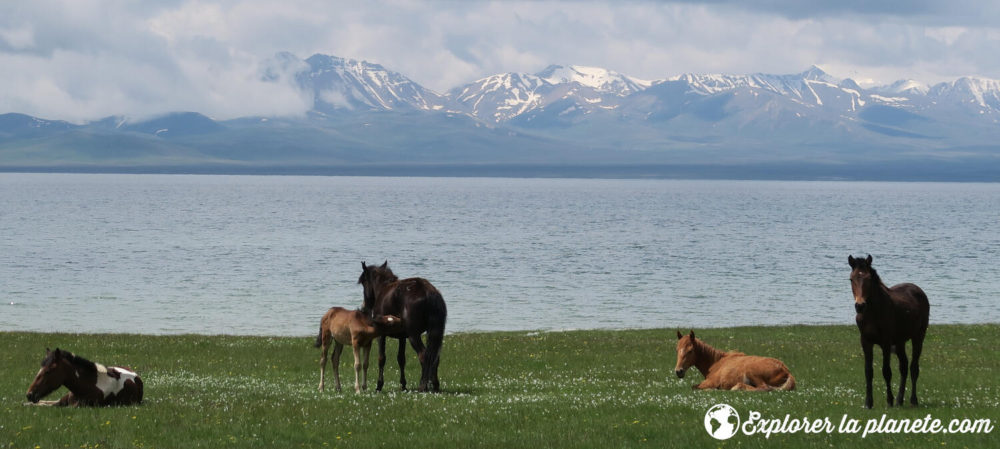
x,y
514,389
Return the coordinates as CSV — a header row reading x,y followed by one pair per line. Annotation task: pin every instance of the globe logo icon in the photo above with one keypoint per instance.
x,y
721,421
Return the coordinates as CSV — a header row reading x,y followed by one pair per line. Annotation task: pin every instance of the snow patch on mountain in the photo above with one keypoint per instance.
x,y
601,80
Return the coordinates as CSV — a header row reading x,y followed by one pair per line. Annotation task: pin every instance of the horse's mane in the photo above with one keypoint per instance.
x,y
385,275
703,347
877,279
73,359
875,276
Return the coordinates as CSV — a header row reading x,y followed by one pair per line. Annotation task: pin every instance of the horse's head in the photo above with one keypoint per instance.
x,y
372,279
54,372
864,281
685,353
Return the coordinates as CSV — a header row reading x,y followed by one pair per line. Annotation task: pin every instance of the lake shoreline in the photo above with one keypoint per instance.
x,y
904,171
521,332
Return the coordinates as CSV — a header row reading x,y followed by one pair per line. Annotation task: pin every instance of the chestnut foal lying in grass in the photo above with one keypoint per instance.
x,y
730,370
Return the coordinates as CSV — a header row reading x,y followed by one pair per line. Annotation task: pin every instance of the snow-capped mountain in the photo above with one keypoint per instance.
x,y
601,80
364,113
502,97
347,84
973,93
902,88
813,87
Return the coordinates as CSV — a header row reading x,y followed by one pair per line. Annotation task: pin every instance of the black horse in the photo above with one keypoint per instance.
x,y
888,317
422,309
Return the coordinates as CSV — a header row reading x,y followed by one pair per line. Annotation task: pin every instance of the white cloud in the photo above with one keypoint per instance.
x,y
19,37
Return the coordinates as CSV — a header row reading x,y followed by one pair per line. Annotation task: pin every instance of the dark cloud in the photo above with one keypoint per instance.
x,y
927,12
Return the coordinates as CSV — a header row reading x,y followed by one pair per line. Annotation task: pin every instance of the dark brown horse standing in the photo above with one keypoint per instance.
x,y
422,309
89,383
888,317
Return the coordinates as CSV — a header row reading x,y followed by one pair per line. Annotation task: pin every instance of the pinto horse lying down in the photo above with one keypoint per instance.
x,y
89,383
730,370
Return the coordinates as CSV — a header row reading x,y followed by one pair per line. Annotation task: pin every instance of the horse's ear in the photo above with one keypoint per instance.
x,y
851,261
679,336
57,353
385,264
869,260
363,266
692,334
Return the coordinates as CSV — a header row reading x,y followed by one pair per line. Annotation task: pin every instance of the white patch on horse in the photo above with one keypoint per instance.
x,y
109,385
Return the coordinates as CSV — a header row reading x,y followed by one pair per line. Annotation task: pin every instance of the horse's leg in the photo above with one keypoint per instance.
x,y
322,364
918,346
901,355
435,337
67,401
337,349
434,380
381,363
401,361
366,353
356,347
887,370
705,385
418,346
748,383
866,346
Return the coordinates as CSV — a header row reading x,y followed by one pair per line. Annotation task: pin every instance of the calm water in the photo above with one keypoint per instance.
x,y
268,255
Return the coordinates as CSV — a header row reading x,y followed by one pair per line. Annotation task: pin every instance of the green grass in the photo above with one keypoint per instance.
x,y
519,389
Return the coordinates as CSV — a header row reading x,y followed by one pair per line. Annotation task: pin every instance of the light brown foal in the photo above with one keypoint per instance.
x,y
730,370
351,327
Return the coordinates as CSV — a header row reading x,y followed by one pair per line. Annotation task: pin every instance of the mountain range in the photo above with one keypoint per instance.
x,y
366,118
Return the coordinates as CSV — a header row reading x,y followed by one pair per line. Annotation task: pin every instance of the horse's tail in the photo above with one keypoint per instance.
x,y
437,315
319,338
789,384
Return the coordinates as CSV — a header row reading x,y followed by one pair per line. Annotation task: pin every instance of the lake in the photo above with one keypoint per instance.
x,y
267,255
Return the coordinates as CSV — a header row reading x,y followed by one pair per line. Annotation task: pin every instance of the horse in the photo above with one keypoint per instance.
x,y
90,384
421,308
730,370
888,317
350,327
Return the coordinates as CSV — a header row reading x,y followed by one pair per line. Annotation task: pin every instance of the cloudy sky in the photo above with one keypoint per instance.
x,y
81,60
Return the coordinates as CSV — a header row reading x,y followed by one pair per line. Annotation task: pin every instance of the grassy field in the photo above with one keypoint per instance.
x,y
520,389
